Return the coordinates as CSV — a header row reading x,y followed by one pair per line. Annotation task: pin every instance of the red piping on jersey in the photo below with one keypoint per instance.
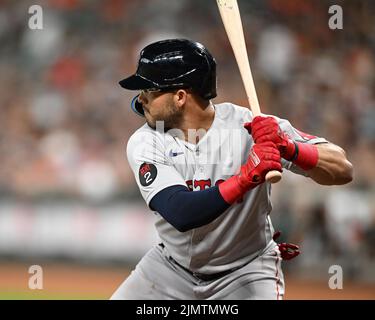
x,y
277,277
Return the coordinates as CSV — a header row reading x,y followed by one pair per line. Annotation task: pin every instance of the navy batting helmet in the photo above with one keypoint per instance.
x,y
173,64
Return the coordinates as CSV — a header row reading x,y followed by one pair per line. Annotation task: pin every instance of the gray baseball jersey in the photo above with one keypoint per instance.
x,y
244,231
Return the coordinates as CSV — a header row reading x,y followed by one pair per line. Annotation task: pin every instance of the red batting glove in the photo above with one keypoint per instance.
x,y
288,251
267,129
263,158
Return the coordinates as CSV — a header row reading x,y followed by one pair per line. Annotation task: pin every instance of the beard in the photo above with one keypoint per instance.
x,y
171,118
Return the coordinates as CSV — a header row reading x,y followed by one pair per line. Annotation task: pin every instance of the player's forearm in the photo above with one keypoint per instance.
x,y
186,210
333,168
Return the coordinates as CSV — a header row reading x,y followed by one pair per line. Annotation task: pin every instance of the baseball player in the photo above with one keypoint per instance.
x,y
201,168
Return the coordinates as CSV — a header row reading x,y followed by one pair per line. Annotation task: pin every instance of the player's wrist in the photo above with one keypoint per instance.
x,y
234,188
288,150
305,155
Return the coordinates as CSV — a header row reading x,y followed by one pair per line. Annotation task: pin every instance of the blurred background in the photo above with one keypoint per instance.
x,y
68,199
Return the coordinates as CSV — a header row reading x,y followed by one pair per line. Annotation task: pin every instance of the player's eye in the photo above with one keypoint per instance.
x,y
150,90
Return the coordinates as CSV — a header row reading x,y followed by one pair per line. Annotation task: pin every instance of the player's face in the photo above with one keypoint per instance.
x,y
160,106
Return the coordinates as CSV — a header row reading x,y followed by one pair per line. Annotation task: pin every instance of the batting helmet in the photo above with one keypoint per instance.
x,y
173,64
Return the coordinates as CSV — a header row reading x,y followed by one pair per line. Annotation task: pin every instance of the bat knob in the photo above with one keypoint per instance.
x,y
273,176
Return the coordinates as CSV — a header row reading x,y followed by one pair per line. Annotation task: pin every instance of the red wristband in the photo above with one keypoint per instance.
x,y
306,155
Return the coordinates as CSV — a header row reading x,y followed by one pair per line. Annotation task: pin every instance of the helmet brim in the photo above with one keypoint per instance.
x,y
136,82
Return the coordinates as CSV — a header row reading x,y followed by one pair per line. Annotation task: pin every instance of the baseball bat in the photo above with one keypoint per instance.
x,y
230,15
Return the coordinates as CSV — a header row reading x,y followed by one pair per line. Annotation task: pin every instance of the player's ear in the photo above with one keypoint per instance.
x,y
180,97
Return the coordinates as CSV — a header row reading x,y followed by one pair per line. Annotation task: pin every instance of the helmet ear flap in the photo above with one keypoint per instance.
x,y
137,106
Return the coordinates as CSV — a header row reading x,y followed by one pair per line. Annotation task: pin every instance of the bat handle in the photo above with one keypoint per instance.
x,y
273,176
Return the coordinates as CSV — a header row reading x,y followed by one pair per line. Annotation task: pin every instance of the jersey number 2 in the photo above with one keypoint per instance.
x,y
148,177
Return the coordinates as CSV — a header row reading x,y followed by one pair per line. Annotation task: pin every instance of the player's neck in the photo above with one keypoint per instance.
x,y
198,119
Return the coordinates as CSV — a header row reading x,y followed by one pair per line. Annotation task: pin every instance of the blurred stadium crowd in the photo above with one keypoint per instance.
x,y
65,121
